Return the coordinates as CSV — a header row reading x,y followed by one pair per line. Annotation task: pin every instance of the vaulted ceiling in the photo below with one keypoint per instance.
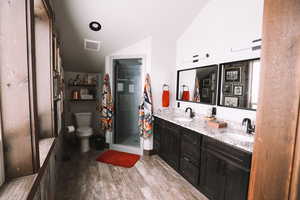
x,y
124,22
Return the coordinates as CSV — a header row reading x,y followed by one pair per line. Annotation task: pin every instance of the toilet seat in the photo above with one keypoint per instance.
x,y
84,131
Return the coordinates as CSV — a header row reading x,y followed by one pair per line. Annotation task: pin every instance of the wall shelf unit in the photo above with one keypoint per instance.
x,y
82,85
82,100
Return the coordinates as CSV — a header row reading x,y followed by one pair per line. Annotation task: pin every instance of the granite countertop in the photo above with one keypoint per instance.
x,y
234,137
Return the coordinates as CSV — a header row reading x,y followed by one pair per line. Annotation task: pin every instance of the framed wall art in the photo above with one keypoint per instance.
x,y
231,101
238,90
233,75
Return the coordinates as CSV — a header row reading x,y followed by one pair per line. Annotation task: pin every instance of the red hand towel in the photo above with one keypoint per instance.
x,y
186,95
166,98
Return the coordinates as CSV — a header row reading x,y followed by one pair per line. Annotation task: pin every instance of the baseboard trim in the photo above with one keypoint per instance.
x,y
149,152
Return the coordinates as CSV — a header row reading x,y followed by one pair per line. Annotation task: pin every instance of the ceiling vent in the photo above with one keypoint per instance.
x,y
91,45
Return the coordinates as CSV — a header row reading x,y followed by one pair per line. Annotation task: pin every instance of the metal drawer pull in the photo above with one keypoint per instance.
x,y
185,158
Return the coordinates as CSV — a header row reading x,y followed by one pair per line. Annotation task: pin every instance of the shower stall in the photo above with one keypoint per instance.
x,y
127,91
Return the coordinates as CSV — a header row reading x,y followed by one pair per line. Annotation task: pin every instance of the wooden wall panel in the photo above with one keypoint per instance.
x,y
17,88
43,35
278,111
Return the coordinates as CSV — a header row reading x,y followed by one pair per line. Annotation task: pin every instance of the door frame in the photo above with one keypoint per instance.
x,y
110,71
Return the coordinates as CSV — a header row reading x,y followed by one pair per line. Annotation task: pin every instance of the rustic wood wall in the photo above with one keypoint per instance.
x,y
18,98
44,79
275,172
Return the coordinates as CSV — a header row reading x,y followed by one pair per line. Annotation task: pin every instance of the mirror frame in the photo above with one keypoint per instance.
x,y
204,66
220,84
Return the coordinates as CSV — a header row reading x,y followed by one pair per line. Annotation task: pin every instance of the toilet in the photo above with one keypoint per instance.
x,y
84,130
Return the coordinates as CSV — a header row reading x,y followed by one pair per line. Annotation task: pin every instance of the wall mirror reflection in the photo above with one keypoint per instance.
x,y
198,85
240,84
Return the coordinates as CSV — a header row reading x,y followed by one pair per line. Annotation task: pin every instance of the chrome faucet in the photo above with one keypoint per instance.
x,y
192,114
249,127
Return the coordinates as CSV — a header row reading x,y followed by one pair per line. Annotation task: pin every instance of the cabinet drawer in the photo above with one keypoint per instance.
x,y
191,137
190,151
236,156
189,170
190,145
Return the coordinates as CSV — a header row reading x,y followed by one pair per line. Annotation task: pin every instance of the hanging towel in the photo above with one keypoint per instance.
x,y
165,96
146,111
106,107
196,96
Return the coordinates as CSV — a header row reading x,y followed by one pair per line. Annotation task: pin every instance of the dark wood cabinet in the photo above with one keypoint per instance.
x,y
218,170
188,170
212,175
156,136
224,171
190,145
190,155
169,143
236,182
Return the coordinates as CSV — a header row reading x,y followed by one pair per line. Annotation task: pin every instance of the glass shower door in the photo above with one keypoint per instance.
x,y
128,94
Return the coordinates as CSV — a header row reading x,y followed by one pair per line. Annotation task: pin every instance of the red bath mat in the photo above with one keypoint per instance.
x,y
118,158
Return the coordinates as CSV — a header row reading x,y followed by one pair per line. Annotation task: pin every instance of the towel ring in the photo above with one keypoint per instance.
x,y
185,86
165,85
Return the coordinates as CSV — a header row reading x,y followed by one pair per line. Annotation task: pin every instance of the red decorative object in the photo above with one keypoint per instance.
x,y
185,95
165,96
118,158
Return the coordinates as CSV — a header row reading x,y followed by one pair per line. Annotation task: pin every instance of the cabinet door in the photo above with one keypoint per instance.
x,y
156,136
211,175
188,170
163,148
169,144
173,144
236,184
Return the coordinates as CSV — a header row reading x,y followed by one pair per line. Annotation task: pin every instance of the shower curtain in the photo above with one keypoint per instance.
x,y
196,95
106,107
146,111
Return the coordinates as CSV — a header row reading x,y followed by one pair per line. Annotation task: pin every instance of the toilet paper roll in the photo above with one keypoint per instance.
x,y
70,129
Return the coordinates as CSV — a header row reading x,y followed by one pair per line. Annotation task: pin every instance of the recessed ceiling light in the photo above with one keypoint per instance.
x,y
95,26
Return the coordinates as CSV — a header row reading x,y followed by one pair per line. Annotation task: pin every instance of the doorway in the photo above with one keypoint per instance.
x,y
127,91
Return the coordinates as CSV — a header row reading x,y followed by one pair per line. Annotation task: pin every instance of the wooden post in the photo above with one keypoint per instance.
x,y
18,98
275,166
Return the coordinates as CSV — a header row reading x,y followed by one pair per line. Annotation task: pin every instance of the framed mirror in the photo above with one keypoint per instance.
x,y
239,84
198,85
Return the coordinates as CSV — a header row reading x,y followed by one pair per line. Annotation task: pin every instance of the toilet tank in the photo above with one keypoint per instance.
x,y
83,119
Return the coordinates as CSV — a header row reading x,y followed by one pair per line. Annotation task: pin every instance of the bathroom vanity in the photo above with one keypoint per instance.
x,y
216,161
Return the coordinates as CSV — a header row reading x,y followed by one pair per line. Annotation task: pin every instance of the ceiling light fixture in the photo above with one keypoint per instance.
x,y
95,26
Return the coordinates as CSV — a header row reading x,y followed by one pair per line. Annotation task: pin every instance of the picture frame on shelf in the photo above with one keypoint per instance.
x,y
231,101
206,82
205,92
227,90
233,75
238,90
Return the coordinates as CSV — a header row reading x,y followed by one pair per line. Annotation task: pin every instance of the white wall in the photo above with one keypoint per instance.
x,y
162,69
220,27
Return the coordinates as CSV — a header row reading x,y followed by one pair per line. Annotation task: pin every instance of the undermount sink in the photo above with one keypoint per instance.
x,y
243,138
183,119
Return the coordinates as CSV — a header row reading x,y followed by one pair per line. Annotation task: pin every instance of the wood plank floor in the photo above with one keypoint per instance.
x,y
83,178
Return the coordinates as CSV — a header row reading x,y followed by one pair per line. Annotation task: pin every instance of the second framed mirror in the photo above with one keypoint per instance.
x,y
239,84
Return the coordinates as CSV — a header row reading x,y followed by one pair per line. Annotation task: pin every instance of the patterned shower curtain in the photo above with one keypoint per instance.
x,y
196,95
146,111
106,107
